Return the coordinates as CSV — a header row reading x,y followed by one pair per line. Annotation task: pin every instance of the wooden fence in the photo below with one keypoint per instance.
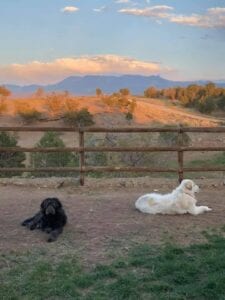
x,y
82,169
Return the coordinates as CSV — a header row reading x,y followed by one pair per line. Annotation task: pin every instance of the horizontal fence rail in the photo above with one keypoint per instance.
x,y
111,149
115,129
82,149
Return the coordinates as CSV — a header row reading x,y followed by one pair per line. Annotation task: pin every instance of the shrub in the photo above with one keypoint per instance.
x,y
3,106
10,160
4,92
174,139
30,116
125,92
129,116
95,158
78,118
52,159
221,102
54,104
206,106
98,92
151,92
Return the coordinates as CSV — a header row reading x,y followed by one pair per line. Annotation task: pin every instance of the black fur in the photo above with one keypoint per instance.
x,y
51,218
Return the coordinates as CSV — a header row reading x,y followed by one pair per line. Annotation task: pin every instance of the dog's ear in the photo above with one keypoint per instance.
x,y
57,202
44,203
189,185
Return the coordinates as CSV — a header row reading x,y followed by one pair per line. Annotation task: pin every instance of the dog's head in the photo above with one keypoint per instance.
x,y
49,206
188,186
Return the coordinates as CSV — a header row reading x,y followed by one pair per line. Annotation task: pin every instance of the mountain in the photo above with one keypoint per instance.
x,y
87,85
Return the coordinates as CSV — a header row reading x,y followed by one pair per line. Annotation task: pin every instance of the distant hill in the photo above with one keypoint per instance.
x,y
87,85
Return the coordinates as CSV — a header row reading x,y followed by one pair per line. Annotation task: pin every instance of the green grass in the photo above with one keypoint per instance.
x,y
216,160
147,272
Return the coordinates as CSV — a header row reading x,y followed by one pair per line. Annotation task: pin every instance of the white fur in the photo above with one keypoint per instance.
x,y
181,201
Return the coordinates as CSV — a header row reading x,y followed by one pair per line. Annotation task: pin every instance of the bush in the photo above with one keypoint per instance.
x,y
4,92
52,159
30,116
151,92
10,160
78,118
125,92
207,106
98,92
174,139
221,102
3,106
54,104
129,116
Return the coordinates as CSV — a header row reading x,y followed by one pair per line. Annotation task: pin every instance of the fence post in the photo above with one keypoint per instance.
x,y
180,154
81,161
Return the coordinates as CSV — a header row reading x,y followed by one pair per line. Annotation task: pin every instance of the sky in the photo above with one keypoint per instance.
x,y
45,41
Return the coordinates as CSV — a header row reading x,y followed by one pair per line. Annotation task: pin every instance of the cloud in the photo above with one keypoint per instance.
x,y
130,2
122,1
158,11
213,18
100,9
70,9
51,72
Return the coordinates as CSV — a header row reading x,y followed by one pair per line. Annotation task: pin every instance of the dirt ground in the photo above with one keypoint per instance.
x,y
102,219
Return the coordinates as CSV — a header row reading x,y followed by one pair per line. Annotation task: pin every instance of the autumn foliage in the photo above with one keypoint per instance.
x,y
204,98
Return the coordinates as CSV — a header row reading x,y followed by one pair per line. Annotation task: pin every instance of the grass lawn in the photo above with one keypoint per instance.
x,y
146,272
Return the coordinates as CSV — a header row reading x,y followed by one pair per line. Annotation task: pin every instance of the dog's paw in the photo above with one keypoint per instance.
x,y
32,227
208,209
51,239
47,229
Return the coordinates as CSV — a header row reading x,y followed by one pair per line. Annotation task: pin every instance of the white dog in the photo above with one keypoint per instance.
x,y
180,201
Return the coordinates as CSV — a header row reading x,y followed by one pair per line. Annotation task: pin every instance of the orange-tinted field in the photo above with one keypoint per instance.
x,y
147,111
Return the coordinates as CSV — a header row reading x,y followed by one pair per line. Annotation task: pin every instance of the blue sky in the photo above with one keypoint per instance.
x,y
45,41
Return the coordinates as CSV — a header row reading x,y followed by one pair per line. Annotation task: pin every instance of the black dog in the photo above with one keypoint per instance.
x,y
51,218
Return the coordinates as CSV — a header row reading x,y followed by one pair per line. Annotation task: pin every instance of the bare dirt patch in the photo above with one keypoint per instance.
x,y
102,217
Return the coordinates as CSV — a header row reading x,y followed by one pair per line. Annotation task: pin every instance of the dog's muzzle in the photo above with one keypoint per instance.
x,y
50,210
196,189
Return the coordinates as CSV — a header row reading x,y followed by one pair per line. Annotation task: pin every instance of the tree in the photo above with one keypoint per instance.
x,y
52,159
3,106
4,92
221,102
81,117
70,105
206,106
125,92
151,92
170,93
10,159
39,93
54,104
98,92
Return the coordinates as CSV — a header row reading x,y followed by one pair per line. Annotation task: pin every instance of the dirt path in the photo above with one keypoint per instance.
x,y
102,220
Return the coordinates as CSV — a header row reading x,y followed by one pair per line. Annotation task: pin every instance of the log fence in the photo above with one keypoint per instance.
x,y
82,149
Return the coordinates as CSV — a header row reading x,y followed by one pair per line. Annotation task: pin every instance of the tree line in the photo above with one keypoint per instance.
x,y
204,98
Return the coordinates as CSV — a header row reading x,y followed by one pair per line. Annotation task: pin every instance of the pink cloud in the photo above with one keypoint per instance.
x,y
51,72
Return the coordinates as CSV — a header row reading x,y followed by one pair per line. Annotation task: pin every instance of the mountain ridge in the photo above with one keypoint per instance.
x,y
86,85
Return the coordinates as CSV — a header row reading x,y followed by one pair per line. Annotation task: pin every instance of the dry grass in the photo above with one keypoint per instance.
x,y
148,111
